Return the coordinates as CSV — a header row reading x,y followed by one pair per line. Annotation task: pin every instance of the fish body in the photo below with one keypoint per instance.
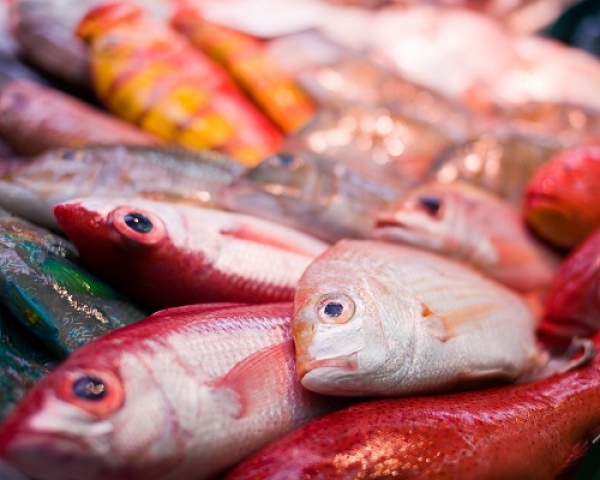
x,y
527,431
560,200
374,318
55,298
311,193
165,255
469,224
151,76
34,118
572,307
32,187
189,392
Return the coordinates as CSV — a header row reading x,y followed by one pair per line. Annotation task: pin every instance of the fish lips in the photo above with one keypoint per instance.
x,y
328,375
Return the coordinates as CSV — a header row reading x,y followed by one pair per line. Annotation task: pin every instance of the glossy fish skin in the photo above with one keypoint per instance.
x,y
60,302
34,118
311,193
150,75
525,431
469,224
33,187
188,254
572,308
189,392
561,199
374,318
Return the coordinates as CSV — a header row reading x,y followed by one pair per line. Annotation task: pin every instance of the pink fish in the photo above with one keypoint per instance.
x,y
186,394
169,255
467,223
526,432
573,305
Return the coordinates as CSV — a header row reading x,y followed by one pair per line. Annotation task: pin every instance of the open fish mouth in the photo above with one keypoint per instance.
x,y
343,362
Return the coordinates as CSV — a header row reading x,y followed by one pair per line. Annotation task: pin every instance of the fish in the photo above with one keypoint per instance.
x,y
470,224
55,298
150,75
374,318
560,199
185,393
500,163
572,306
165,255
250,64
32,187
316,195
376,142
527,431
35,118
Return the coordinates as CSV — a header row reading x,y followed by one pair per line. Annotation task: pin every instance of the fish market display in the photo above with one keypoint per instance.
x,y
250,64
165,255
55,298
150,75
32,187
34,118
561,199
373,318
573,305
500,164
467,223
527,431
184,394
311,193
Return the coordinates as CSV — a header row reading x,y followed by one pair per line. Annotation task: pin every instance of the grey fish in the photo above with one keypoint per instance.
x,y
311,193
56,299
31,188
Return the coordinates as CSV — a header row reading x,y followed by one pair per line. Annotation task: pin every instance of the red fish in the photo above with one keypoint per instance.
x,y
167,255
561,199
572,307
527,431
185,395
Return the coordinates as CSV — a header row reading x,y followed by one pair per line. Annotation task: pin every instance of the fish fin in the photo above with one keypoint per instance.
x,y
444,326
251,381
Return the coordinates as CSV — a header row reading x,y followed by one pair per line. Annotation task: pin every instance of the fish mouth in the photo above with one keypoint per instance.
x,y
343,362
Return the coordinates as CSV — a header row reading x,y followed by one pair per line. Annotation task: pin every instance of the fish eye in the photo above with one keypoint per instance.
x,y
335,308
98,393
68,154
431,204
138,225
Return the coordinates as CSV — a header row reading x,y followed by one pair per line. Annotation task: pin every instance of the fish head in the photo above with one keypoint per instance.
x,y
425,217
341,327
284,184
94,417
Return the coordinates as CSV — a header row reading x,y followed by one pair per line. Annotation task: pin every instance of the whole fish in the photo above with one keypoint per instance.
x,y
184,394
373,318
311,193
572,308
55,298
34,118
560,201
165,255
530,431
32,187
500,163
470,224
248,61
150,75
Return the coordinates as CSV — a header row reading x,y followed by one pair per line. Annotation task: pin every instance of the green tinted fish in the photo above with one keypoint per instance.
x,y
51,294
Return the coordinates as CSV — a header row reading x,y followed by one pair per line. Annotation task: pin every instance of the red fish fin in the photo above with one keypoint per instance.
x,y
253,380
444,326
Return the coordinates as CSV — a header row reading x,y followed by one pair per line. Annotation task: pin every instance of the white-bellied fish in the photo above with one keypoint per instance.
x,y
374,318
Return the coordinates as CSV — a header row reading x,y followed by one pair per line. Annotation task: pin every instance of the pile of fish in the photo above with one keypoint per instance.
x,y
246,245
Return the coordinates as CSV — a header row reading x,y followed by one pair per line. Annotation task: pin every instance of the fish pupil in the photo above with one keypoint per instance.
x,y
286,159
431,204
89,388
138,222
68,155
333,309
